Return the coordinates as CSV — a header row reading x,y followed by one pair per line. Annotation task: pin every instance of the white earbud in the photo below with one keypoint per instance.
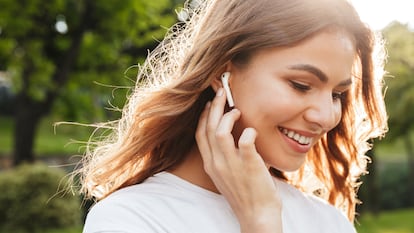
x,y
225,80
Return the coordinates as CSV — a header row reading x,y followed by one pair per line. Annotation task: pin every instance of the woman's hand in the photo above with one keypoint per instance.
x,y
240,174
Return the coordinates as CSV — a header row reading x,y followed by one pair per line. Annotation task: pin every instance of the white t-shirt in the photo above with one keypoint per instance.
x,y
166,203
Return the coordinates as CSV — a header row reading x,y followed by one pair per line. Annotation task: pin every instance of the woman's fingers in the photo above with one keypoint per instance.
x,y
246,141
216,142
201,136
223,135
215,114
214,133
206,133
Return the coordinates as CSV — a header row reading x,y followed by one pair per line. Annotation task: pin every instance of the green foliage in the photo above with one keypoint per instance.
x,y
30,200
123,32
400,65
397,221
393,192
104,39
55,71
23,33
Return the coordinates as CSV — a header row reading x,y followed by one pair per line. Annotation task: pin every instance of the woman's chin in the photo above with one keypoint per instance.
x,y
290,166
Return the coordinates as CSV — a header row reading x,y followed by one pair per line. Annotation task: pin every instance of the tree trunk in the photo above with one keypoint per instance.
x,y
29,112
26,122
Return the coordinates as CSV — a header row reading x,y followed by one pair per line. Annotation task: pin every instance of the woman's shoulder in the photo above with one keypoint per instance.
x,y
162,187
292,195
311,213
140,206
115,213
121,211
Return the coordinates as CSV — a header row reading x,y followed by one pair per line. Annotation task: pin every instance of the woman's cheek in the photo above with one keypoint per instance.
x,y
338,114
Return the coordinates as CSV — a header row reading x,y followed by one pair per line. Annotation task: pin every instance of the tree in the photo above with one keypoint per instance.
x,y
56,50
400,95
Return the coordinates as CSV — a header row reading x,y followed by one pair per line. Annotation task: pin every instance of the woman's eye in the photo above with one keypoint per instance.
x,y
300,86
337,95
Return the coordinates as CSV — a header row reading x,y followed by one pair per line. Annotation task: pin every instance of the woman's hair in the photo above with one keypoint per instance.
x,y
157,128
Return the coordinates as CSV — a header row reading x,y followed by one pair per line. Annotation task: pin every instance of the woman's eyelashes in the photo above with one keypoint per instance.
x,y
337,95
303,88
300,86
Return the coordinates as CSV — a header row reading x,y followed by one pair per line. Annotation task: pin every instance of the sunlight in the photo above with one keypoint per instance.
x,y
379,13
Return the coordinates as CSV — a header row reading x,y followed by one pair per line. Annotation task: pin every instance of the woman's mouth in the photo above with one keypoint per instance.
x,y
303,140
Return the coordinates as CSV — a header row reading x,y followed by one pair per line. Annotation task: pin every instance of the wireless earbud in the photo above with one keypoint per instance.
x,y
225,80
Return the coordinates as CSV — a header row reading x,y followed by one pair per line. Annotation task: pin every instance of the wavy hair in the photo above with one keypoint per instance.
x,y
158,123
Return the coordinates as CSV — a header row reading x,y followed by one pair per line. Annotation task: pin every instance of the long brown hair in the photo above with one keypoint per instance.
x,y
158,124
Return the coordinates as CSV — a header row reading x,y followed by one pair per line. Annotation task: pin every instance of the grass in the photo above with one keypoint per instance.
x,y
60,139
50,140
387,151
6,128
66,230
399,221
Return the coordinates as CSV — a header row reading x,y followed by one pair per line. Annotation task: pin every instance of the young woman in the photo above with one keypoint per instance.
x,y
307,93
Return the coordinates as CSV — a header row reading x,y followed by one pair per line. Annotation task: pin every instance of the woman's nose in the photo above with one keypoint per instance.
x,y
324,112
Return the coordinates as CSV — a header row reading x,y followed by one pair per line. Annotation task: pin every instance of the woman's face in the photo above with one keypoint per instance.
x,y
292,96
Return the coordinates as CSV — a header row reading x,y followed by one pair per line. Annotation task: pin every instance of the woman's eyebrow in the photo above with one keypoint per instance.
x,y
345,83
318,73
310,69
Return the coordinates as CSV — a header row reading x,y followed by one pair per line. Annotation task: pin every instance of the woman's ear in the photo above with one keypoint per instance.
x,y
217,81
224,82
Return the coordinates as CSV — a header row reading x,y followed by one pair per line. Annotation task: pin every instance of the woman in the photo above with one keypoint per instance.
x,y
307,94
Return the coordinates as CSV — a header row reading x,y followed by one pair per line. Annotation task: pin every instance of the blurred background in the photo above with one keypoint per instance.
x,y
74,61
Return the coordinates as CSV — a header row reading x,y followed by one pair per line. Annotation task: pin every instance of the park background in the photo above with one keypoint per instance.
x,y
74,61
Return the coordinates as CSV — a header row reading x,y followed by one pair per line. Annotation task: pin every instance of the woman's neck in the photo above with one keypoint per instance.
x,y
192,170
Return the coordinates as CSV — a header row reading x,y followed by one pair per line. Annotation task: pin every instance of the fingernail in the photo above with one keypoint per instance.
x,y
208,104
219,92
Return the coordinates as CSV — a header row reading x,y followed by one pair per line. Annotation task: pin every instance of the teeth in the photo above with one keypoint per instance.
x,y
297,137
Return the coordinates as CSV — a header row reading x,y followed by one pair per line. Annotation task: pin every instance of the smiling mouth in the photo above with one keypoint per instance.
x,y
303,140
